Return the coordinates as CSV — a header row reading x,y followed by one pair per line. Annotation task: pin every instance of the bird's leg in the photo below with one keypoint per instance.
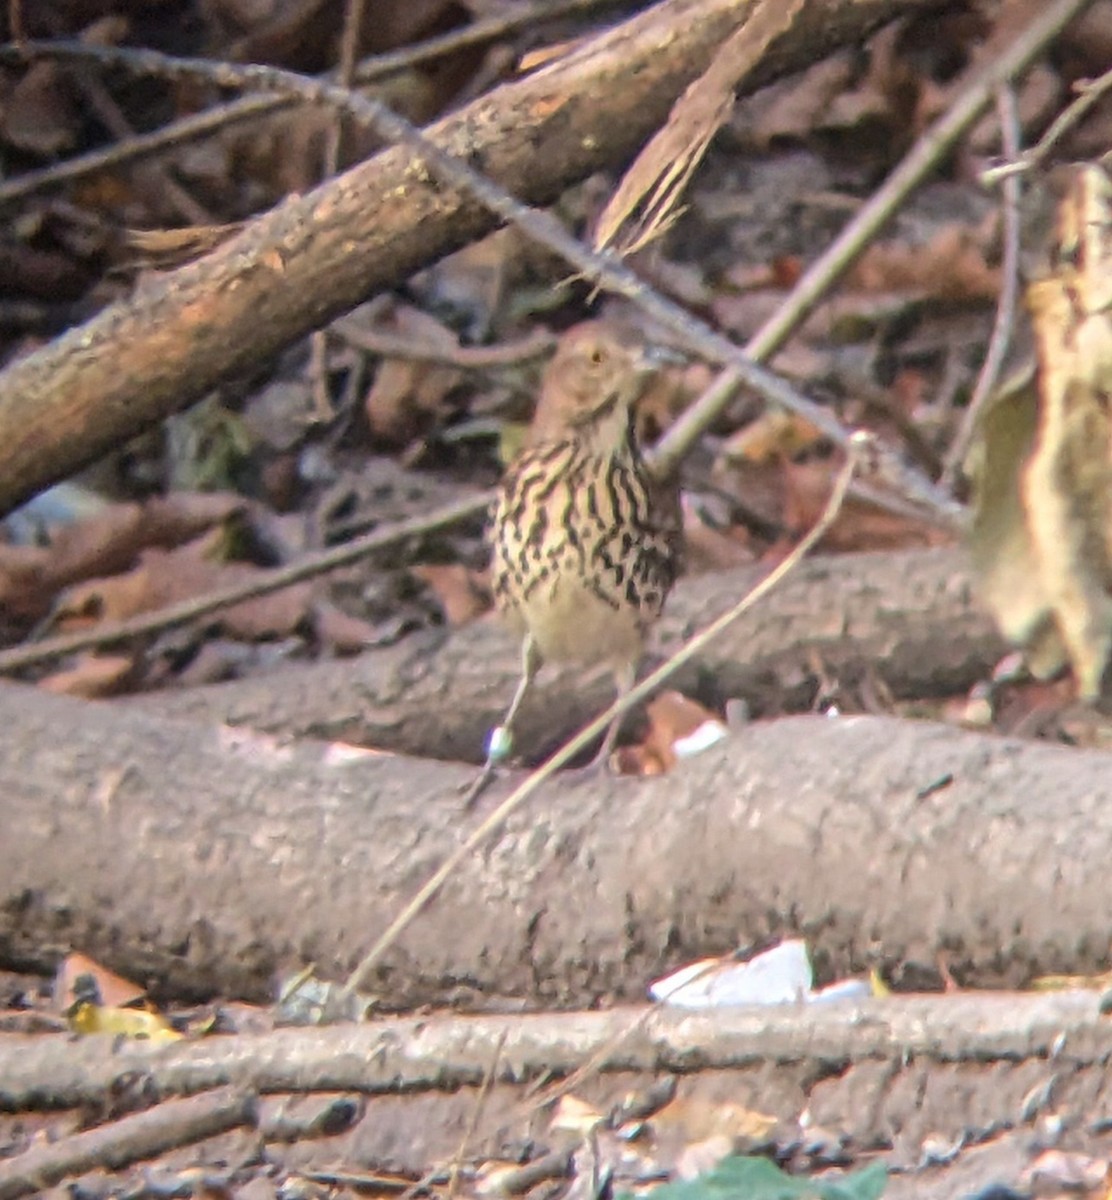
x,y
501,736
624,677
501,740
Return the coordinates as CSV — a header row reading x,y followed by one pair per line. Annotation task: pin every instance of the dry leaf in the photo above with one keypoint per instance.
x,y
138,1023
92,677
699,1119
457,591
707,547
677,727
344,633
111,988
572,1115
774,434
117,597
406,394
1042,541
1067,486
111,541
860,525
791,109
1000,545
667,393
164,577
274,615
38,116
950,266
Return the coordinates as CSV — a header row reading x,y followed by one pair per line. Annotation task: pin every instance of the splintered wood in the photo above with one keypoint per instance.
x,y
1042,536
646,202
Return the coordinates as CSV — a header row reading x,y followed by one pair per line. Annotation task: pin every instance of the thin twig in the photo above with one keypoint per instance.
x,y
345,75
1090,92
323,411
1004,323
267,581
468,358
929,150
349,44
476,1113
215,120
517,797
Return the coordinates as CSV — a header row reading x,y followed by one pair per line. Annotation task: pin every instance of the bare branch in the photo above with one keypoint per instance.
x,y
1003,325
920,160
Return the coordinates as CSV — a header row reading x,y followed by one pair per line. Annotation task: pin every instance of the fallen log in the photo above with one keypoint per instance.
x,y
906,622
205,859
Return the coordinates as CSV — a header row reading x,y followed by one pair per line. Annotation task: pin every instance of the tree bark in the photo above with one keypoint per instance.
x,y
316,256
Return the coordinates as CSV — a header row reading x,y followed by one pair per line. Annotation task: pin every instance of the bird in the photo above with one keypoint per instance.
x,y
585,544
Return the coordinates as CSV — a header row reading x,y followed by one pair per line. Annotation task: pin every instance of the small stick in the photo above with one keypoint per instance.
x,y
1004,323
1090,92
469,358
267,581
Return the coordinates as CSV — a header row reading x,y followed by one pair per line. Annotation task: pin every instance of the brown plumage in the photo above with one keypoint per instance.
x,y
585,545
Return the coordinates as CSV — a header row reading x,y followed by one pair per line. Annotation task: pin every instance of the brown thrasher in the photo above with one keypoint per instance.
x,y
586,545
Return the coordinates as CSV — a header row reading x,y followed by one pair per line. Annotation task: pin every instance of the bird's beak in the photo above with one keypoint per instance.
x,y
643,364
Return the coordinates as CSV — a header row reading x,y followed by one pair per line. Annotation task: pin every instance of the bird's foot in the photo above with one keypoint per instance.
x,y
485,777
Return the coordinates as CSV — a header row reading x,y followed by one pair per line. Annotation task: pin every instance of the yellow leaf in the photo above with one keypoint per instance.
x,y
137,1023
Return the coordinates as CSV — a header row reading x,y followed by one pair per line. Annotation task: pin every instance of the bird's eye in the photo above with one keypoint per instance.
x,y
597,356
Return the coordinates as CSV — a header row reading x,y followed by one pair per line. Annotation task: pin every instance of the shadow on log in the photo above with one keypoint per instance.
x,y
908,621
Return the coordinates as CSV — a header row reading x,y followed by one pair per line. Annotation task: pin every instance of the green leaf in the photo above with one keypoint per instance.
x,y
742,1177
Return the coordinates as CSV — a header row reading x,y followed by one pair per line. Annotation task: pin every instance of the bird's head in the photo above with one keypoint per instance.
x,y
589,388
